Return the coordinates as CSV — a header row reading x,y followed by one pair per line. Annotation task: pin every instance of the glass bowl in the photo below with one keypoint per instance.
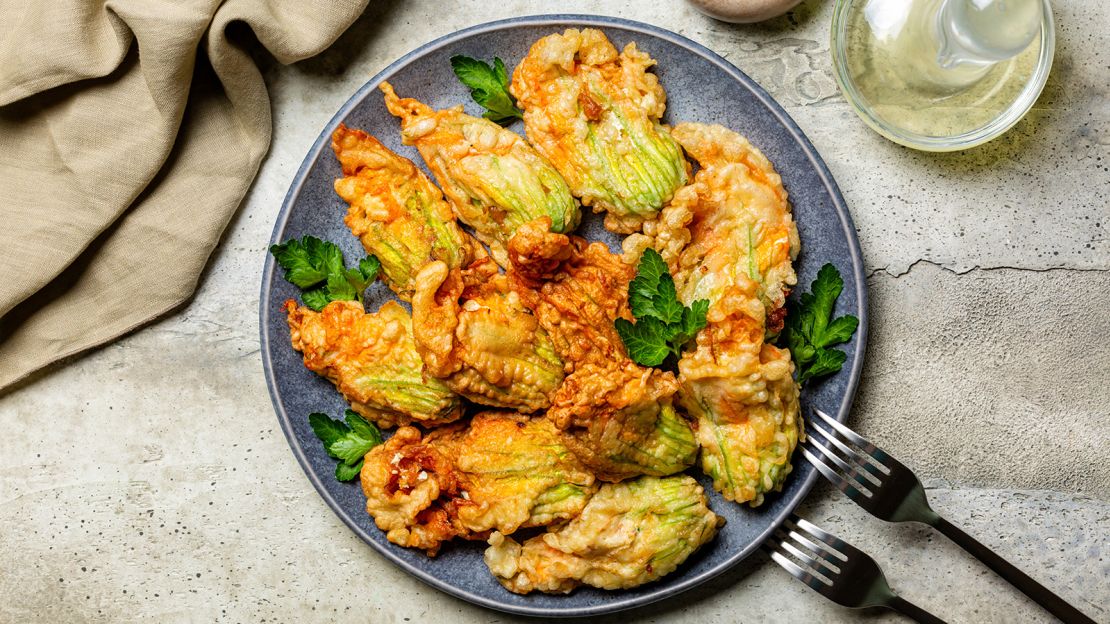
x,y
936,124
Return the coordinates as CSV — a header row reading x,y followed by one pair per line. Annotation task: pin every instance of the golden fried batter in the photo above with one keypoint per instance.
x,y
372,360
595,114
494,179
743,395
729,237
473,332
400,216
481,342
575,288
732,222
616,416
621,422
630,533
501,472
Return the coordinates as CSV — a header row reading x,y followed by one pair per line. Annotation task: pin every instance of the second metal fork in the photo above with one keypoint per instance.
x,y
837,570
890,491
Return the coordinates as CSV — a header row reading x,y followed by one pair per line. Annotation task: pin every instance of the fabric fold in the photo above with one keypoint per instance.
x,y
119,172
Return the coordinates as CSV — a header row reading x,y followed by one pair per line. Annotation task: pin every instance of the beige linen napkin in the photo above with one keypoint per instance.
x,y
129,132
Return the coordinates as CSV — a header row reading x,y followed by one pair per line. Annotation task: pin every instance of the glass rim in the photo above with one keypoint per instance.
x,y
1013,113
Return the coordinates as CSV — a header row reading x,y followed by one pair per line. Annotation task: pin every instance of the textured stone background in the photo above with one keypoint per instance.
x,y
148,480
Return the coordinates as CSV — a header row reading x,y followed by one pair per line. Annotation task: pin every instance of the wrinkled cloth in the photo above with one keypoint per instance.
x,y
130,131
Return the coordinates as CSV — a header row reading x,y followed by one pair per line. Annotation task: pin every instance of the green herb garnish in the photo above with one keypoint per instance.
x,y
810,330
663,325
348,443
318,269
489,86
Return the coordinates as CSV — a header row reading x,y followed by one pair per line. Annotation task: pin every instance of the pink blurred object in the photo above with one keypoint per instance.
x,y
743,11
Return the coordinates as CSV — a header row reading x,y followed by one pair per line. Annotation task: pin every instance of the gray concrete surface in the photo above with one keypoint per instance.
x,y
148,481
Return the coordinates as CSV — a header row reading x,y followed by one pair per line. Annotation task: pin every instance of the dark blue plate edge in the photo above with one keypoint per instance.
x,y
565,20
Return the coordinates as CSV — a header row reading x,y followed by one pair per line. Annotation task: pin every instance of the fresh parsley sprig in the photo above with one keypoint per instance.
x,y
663,325
318,269
811,330
348,443
489,86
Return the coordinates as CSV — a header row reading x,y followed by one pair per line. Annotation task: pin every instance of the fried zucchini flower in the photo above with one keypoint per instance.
x,y
372,360
729,237
493,178
501,472
733,222
473,332
745,400
621,422
629,534
615,415
396,211
595,115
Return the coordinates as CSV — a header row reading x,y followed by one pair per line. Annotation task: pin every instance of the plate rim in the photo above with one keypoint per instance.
x,y
564,20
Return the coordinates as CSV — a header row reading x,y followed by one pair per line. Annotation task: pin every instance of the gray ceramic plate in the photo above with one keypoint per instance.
x,y
701,86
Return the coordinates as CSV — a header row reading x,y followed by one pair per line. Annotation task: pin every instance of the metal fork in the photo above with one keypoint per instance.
x,y
837,570
890,491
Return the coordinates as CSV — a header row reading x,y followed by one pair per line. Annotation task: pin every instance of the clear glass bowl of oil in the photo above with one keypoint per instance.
x,y
890,87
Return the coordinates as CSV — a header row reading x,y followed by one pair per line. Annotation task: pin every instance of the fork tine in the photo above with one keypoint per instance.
x,y
840,482
820,565
798,537
852,436
824,550
829,559
811,528
813,581
861,464
875,452
788,536
815,563
842,548
850,472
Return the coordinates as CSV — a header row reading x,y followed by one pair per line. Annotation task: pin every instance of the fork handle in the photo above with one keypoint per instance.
x,y
1040,594
912,611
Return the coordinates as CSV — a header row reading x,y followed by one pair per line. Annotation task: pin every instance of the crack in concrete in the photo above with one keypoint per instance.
x,y
1001,267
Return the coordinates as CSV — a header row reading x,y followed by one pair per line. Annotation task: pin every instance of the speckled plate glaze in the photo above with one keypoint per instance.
x,y
701,86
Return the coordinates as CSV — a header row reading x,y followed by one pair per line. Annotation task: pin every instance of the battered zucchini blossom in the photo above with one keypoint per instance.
x,y
372,360
594,113
493,178
630,533
499,472
616,415
729,237
473,332
396,211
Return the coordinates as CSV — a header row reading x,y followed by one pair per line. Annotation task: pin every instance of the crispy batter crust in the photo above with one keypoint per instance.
x,y
372,360
729,237
493,178
499,472
611,410
396,211
594,113
473,332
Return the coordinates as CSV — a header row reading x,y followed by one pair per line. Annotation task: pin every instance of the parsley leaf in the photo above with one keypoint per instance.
x,y
652,292
811,330
318,268
307,262
646,340
693,319
348,442
343,472
316,298
339,288
489,86
663,325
